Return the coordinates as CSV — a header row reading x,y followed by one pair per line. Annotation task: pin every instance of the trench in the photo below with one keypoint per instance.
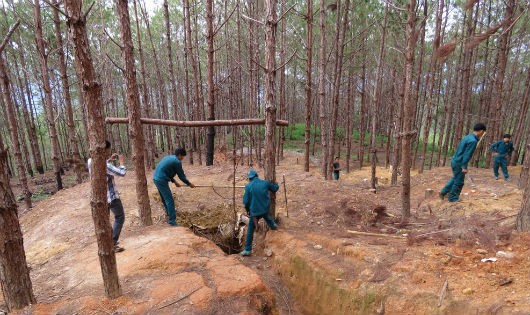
x,y
217,225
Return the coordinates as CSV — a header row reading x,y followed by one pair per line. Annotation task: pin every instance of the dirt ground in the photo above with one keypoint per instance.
x,y
401,269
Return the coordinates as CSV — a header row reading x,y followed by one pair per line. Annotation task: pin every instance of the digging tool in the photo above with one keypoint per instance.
x,y
212,186
285,194
467,174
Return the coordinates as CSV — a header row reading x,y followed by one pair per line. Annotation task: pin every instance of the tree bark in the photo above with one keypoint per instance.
x,y
197,123
50,115
172,80
308,87
322,90
5,87
363,114
210,139
14,272
76,23
502,59
160,81
270,102
339,53
411,37
282,101
430,83
28,116
349,106
133,108
523,217
74,150
517,136
376,100
150,148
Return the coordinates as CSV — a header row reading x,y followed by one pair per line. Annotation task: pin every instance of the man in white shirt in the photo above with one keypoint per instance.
x,y
113,197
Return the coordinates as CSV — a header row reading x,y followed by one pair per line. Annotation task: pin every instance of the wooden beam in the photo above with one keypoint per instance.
x,y
203,123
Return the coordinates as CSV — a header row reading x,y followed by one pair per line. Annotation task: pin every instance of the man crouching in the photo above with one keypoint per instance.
x,y
257,204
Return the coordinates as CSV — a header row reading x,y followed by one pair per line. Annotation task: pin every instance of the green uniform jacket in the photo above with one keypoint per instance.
x,y
465,150
256,198
504,149
167,168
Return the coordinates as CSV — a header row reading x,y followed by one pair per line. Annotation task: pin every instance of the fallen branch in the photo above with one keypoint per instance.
x,y
435,232
442,293
374,234
198,123
180,299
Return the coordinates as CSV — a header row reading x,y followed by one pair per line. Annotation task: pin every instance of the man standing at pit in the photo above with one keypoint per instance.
x,y
459,162
113,197
502,151
165,172
257,204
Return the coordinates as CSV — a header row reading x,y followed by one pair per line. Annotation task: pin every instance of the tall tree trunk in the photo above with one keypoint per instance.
x,y
150,150
282,103
308,87
339,53
517,136
322,90
5,87
210,139
418,115
523,217
502,59
194,67
376,100
160,81
187,82
349,106
431,78
363,115
66,94
172,79
411,37
76,22
43,57
270,102
14,272
22,137
28,117
133,108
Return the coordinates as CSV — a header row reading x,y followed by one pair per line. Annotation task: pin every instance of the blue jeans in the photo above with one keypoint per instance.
x,y
503,163
454,185
119,217
336,175
167,200
252,227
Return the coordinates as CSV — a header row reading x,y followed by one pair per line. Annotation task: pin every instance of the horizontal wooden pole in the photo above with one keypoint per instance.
x,y
201,123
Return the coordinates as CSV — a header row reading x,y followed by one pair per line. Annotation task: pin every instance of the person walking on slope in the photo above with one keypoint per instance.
x,y
113,197
459,162
257,204
165,172
502,151
336,168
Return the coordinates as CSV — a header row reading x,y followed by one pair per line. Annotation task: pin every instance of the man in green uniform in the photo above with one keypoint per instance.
x,y
459,162
257,203
165,172
336,168
502,151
